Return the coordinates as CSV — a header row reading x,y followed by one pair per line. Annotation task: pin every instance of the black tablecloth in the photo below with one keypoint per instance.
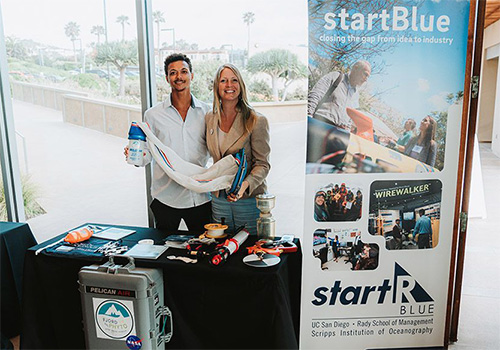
x,y
15,239
229,306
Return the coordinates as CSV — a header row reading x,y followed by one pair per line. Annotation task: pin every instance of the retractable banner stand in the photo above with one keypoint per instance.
x,y
384,116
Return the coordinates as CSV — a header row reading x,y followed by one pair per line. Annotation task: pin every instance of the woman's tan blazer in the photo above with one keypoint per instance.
x,y
256,144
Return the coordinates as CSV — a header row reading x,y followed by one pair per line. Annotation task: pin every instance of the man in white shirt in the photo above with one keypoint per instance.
x,y
328,99
179,123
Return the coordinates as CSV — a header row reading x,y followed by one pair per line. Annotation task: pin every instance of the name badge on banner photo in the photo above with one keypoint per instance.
x,y
417,149
373,276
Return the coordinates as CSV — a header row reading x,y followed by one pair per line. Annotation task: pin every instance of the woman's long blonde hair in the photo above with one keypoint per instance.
x,y
248,113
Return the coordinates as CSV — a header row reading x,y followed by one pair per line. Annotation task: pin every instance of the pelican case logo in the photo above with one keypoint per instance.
x,y
110,291
404,289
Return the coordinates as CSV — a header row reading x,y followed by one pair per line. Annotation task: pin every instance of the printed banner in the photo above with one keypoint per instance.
x,y
384,116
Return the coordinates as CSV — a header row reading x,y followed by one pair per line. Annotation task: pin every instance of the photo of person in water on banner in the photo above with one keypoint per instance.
x,y
406,213
380,96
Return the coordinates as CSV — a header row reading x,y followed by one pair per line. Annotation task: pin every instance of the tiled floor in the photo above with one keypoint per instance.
x,y
479,321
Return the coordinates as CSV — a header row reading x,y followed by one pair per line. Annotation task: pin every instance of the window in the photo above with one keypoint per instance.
x,y
72,110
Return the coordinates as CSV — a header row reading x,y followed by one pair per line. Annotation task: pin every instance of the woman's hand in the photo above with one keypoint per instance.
x,y
233,197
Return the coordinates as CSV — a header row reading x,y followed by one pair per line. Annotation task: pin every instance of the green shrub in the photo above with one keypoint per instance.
x,y
30,194
88,81
296,95
260,91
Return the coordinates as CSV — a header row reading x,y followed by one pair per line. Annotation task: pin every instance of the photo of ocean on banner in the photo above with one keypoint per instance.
x,y
385,80
406,213
338,202
343,250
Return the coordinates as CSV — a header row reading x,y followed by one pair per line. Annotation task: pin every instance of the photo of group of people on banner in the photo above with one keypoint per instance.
x,y
338,203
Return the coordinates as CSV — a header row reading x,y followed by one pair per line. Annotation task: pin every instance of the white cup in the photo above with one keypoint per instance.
x,y
146,241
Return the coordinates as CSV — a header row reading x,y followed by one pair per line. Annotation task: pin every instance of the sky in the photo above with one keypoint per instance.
x,y
417,77
209,23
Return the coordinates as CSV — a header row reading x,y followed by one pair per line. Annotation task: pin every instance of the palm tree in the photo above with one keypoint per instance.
x,y
123,20
15,48
158,18
248,18
98,30
72,30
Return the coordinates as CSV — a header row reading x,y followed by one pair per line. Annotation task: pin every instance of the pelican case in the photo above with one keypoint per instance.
x,y
122,307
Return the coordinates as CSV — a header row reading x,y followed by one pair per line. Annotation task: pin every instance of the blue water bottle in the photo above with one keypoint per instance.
x,y
136,145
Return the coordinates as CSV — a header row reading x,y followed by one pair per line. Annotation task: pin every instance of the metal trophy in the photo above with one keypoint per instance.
x,y
266,225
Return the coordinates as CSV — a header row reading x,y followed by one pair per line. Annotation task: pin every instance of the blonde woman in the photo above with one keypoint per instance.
x,y
231,125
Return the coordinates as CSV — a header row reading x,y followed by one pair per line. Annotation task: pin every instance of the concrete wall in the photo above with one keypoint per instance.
x,y
495,141
107,117
42,95
492,35
282,112
115,118
489,96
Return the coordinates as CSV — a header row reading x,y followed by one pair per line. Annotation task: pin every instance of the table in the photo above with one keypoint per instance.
x,y
15,239
230,306
345,251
